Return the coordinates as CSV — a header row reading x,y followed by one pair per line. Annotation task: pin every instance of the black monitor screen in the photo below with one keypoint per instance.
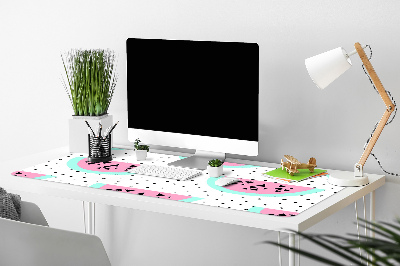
x,y
193,87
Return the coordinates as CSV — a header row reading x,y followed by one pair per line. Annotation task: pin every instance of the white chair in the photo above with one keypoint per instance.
x,y
32,243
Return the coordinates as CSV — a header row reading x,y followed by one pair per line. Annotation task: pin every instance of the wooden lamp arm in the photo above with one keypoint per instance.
x,y
377,82
374,138
386,99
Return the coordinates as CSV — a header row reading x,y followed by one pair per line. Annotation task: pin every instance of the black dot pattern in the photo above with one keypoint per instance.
x,y
254,193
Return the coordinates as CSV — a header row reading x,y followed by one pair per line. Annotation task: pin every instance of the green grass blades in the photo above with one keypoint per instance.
x,y
382,250
91,80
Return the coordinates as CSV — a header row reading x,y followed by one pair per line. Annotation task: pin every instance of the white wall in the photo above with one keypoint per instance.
x,y
295,117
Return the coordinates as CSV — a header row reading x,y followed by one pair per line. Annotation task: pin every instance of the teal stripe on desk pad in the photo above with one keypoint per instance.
x,y
98,185
44,177
191,199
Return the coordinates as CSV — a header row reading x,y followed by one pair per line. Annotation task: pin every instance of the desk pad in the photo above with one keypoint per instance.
x,y
254,193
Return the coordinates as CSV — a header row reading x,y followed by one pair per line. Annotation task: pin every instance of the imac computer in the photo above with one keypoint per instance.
x,y
200,95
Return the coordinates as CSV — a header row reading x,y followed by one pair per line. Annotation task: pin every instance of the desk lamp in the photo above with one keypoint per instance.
x,y
323,70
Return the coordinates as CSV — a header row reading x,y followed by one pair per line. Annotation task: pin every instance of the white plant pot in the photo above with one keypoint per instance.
x,y
141,155
78,131
214,171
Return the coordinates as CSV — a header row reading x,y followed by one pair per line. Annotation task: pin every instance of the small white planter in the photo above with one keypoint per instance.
x,y
215,171
141,155
78,130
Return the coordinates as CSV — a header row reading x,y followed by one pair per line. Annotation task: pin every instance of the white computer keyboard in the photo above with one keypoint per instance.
x,y
170,172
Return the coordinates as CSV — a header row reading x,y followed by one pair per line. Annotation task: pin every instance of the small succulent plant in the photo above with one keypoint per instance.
x,y
140,147
215,163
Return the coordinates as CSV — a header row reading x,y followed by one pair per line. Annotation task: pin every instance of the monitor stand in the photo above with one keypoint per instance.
x,y
199,160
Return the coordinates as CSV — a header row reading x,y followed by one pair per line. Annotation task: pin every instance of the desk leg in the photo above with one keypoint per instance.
x,y
292,244
372,210
89,217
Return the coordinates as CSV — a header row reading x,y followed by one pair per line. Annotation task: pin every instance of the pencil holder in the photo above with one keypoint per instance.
x,y
99,149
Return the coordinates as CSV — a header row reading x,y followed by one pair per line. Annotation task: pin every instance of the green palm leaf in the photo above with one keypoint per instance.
x,y
384,250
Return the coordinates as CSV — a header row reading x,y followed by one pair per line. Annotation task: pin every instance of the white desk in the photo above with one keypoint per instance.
x,y
297,223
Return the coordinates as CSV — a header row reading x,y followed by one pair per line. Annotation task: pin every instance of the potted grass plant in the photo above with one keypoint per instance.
x,y
141,150
215,168
90,83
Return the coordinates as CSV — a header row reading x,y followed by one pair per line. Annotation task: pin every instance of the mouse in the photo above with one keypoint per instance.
x,y
224,181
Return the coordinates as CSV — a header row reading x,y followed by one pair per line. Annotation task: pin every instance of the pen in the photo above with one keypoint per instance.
x,y
90,132
99,130
89,127
112,129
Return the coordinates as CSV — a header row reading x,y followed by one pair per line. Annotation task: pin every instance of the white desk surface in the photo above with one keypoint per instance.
x,y
300,222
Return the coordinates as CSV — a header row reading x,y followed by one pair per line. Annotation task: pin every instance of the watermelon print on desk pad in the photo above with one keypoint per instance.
x,y
281,199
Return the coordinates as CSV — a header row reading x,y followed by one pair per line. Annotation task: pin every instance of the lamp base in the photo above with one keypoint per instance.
x,y
346,179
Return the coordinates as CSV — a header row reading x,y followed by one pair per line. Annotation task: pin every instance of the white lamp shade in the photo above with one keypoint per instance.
x,y
326,67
